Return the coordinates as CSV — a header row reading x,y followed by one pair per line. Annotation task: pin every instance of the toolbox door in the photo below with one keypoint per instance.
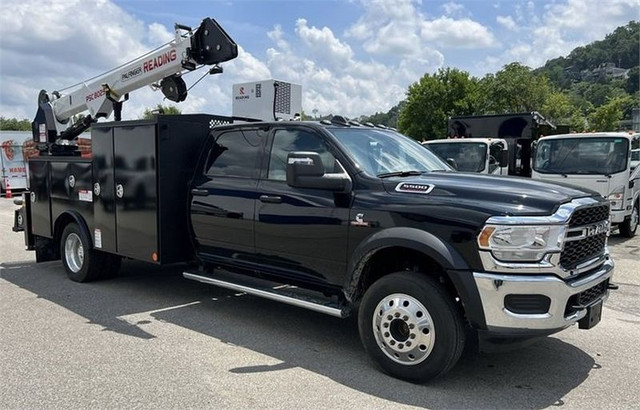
x,y
136,196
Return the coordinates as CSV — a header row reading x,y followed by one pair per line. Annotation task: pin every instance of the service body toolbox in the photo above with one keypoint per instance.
x,y
131,197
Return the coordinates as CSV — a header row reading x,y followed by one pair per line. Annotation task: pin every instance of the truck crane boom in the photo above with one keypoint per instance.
x,y
161,69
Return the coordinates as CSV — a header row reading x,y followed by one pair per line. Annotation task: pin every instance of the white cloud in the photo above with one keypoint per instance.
x,y
452,8
323,42
277,35
507,22
594,16
463,33
567,25
158,34
399,28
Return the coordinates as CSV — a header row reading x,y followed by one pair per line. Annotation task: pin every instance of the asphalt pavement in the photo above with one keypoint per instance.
x,y
151,339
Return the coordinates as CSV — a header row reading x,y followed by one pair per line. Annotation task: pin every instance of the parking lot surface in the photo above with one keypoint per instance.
x,y
151,339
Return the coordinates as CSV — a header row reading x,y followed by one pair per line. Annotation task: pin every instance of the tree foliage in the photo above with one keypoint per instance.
x,y
13,124
160,109
390,118
433,99
606,117
515,88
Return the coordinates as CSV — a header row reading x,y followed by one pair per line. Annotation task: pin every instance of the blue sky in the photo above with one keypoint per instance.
x,y
351,57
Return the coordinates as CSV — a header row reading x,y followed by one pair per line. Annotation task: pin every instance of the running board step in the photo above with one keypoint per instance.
x,y
271,293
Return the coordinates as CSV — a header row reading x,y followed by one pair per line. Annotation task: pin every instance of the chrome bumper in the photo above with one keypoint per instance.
x,y
493,288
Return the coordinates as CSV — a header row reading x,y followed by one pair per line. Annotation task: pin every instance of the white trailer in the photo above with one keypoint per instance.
x,y
598,161
13,168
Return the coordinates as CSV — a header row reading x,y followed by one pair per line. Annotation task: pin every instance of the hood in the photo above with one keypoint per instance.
x,y
598,183
492,194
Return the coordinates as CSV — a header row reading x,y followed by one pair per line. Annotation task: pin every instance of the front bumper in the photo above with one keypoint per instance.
x,y
563,309
618,215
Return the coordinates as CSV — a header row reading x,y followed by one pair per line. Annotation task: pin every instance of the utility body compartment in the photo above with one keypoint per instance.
x,y
132,194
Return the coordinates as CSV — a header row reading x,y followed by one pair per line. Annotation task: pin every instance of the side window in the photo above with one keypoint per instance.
x,y
235,154
285,141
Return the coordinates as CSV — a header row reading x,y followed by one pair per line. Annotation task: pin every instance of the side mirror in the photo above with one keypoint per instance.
x,y
504,158
453,163
306,170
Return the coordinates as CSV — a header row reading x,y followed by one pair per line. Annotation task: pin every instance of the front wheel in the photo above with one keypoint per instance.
x,y
411,327
630,225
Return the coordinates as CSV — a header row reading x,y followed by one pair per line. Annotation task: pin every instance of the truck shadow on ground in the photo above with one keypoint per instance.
x,y
537,376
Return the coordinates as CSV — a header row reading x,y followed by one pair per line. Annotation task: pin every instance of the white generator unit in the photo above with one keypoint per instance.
x,y
267,100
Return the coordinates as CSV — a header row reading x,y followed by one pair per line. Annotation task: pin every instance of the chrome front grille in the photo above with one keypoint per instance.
x,y
576,252
590,215
587,236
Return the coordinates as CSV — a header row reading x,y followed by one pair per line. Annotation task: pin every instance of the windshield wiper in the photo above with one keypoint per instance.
x,y
399,174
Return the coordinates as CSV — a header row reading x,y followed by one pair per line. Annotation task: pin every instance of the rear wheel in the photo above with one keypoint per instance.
x,y
411,327
80,261
630,225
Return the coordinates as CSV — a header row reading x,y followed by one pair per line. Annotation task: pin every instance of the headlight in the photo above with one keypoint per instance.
x,y
521,243
616,197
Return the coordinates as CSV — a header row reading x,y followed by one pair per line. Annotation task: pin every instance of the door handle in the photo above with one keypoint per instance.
x,y
271,199
199,192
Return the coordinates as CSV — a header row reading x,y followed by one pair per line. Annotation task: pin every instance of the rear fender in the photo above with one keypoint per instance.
x,y
66,218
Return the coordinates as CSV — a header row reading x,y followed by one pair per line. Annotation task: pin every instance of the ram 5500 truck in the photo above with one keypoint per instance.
x,y
357,220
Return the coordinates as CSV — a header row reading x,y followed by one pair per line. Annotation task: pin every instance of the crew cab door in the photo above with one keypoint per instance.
x,y
224,194
301,232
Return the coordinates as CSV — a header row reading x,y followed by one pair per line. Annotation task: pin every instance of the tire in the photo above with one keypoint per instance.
x,y
629,227
410,326
80,260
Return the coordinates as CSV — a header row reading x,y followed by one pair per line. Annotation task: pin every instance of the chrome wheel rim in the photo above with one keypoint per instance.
x,y
74,252
403,329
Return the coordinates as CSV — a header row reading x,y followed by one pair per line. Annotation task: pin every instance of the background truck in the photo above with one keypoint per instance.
x,y
601,162
332,216
482,155
13,167
519,130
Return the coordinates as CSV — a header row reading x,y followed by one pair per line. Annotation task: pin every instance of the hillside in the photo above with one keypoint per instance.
x,y
600,62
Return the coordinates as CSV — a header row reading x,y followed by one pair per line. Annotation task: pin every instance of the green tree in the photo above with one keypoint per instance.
x,y
633,81
559,109
607,116
515,88
433,99
13,124
160,109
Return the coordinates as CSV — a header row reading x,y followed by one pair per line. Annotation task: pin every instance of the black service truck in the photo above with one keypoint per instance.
x,y
357,219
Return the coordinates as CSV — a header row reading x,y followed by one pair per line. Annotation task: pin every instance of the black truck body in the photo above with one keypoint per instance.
x,y
518,129
414,252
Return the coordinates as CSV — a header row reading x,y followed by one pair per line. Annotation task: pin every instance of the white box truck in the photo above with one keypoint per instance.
x,y
13,169
598,161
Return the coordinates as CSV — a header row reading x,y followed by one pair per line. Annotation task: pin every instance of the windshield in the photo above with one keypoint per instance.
x,y
469,156
379,152
582,155
635,155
